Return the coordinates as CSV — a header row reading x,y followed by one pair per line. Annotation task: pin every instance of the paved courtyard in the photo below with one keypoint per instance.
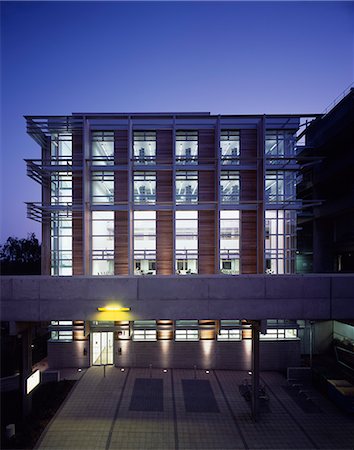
x,y
184,409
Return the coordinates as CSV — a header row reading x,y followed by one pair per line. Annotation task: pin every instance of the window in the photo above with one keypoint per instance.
x,y
229,187
61,243
186,242
280,239
103,148
278,145
61,148
279,333
144,187
280,186
229,334
186,147
144,242
102,188
230,242
102,242
61,189
61,335
187,335
144,147
61,322
186,187
144,330
230,147
187,330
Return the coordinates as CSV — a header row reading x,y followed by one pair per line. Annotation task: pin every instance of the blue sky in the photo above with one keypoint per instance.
x,y
222,57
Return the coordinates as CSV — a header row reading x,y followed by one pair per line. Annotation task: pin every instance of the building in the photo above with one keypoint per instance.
x,y
171,240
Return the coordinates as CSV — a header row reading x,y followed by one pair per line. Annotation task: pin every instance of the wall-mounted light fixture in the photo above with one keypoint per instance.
x,y
112,309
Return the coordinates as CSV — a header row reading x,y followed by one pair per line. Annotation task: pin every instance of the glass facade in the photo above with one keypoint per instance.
x,y
61,197
186,187
230,147
102,243
186,147
230,242
229,187
102,188
186,223
144,242
145,187
102,146
280,241
144,147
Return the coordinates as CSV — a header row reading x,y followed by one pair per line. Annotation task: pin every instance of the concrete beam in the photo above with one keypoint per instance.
x,y
252,297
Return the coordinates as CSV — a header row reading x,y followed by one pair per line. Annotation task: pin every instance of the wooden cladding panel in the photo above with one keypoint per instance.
x,y
206,186
121,151
121,187
121,239
248,185
248,150
164,146
164,189
206,146
248,242
206,242
77,243
164,243
77,148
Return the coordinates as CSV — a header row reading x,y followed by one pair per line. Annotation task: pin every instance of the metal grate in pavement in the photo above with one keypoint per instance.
x,y
199,396
147,395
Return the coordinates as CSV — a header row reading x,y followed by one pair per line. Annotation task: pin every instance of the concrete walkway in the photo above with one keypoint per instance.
x,y
143,409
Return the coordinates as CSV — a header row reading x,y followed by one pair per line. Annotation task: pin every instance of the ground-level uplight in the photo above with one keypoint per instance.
x,y
207,371
79,370
164,370
122,370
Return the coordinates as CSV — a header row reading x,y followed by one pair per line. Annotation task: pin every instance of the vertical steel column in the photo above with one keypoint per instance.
x,y
260,194
46,247
217,197
174,196
130,198
255,370
86,181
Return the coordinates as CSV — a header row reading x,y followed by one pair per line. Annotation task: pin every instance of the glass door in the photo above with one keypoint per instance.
x,y
102,348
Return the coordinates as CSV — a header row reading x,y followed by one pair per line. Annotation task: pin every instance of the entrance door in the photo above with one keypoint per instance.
x,y
102,348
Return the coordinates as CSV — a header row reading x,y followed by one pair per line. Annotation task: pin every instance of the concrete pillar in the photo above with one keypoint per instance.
x,y
26,368
255,370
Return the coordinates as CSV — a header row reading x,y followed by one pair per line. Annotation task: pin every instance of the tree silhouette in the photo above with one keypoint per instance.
x,y
20,256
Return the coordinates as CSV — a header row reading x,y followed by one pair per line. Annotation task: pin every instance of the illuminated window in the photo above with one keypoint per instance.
x,y
230,242
186,147
61,148
280,241
103,148
231,334
230,147
144,187
144,330
278,145
144,242
186,187
102,242
279,333
61,243
61,189
186,242
144,147
187,335
229,187
61,335
280,186
102,188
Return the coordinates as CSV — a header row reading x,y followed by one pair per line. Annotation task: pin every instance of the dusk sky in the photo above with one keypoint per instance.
x,y
223,57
